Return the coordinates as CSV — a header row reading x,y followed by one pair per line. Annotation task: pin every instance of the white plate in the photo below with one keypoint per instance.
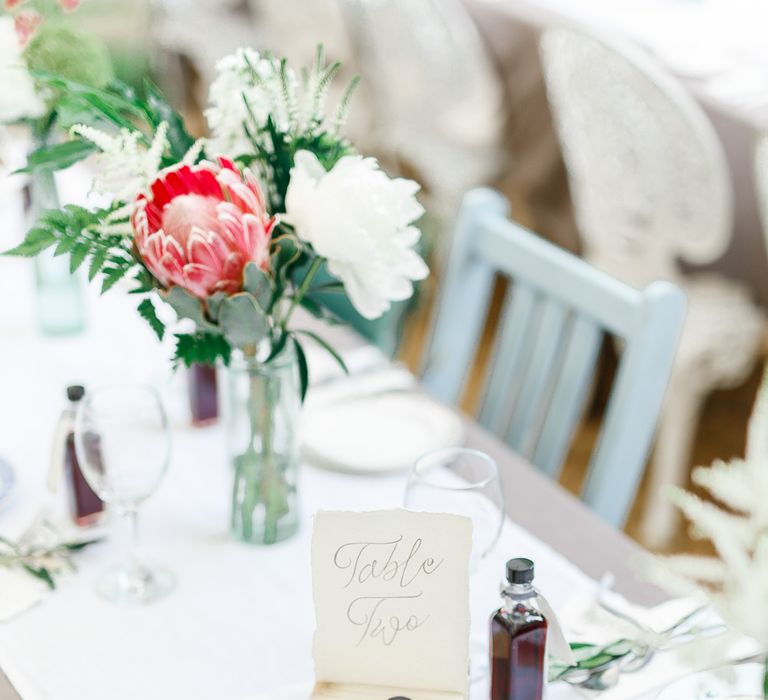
x,y
374,434
727,682
7,482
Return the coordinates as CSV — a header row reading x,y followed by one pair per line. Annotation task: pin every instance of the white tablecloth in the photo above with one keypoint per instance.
x,y
241,619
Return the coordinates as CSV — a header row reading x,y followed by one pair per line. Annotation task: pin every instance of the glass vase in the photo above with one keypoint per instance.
x,y
60,306
264,451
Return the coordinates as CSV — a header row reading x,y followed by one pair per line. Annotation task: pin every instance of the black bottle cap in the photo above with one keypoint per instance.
x,y
520,570
75,392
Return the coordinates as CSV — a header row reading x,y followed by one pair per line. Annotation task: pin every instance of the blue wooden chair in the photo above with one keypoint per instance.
x,y
558,309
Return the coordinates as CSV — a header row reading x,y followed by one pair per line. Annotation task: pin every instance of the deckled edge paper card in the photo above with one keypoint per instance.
x,y
391,592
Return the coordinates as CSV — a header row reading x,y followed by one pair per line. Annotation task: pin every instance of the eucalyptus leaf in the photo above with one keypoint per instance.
x,y
243,325
188,306
257,283
214,304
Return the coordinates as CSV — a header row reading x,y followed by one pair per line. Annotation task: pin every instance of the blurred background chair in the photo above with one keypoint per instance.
x,y
650,189
761,178
549,336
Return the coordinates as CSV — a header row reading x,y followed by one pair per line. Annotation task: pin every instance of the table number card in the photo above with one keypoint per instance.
x,y
391,595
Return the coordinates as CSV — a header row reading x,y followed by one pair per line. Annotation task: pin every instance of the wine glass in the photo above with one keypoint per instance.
x,y
123,446
466,482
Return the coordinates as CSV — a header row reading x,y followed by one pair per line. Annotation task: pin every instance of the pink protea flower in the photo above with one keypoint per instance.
x,y
26,24
200,225
10,4
69,5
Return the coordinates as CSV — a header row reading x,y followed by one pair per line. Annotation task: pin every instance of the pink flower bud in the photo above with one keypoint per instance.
x,y
200,225
26,24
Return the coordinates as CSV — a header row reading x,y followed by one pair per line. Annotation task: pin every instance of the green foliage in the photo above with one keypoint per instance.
x,y
74,230
188,306
147,311
257,283
41,573
288,254
71,53
157,110
42,562
97,106
201,348
58,156
242,323
590,656
116,106
301,360
324,344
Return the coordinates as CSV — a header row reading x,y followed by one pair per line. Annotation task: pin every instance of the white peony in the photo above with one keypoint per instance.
x,y
236,84
361,221
18,97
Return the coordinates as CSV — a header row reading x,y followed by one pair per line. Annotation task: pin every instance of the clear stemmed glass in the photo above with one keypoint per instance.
x,y
123,447
465,482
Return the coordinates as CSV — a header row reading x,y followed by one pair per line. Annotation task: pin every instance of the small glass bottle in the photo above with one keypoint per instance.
x,y
203,394
85,506
518,638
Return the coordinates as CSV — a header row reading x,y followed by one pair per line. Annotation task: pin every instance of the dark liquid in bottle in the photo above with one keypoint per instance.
x,y
517,657
203,394
87,506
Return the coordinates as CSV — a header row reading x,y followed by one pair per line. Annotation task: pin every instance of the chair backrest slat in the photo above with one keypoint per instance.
x,y
569,395
550,331
468,286
518,321
539,378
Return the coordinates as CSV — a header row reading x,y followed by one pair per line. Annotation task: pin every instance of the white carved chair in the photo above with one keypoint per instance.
x,y
436,95
650,188
761,178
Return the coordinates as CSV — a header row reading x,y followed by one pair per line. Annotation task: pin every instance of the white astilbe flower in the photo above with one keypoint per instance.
x,y
125,165
737,580
251,87
191,156
246,90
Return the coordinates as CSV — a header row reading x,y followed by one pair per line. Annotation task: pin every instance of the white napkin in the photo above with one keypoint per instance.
x,y
19,591
585,621
323,368
374,423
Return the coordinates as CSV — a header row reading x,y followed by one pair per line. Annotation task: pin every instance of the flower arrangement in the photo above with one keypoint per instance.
x,y
736,581
231,231
233,238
